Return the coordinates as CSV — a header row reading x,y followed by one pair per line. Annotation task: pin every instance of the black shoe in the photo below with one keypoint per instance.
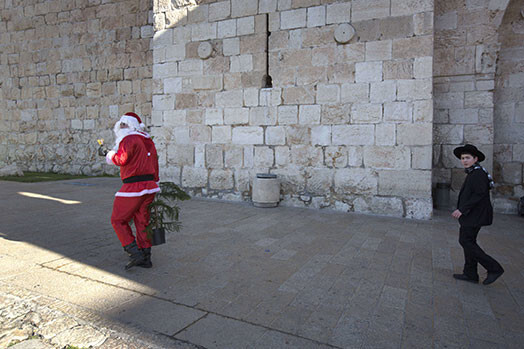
x,y
147,258
492,277
136,257
464,277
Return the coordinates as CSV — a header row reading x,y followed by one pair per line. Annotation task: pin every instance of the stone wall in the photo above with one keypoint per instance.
x,y
467,47
344,125
68,70
509,110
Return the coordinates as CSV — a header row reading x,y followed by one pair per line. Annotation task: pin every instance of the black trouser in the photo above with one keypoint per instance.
x,y
473,254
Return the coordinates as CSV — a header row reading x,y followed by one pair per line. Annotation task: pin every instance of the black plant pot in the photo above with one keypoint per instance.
x,y
159,237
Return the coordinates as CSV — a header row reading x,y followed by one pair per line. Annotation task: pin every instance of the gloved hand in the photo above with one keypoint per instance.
x,y
109,157
102,151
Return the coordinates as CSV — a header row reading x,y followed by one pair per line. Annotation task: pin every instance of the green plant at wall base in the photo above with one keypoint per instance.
x,y
164,210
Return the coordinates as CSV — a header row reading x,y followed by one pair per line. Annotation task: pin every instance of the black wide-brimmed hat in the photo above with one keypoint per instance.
x,y
469,149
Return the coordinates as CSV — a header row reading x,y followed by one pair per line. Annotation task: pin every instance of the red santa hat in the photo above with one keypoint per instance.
x,y
133,120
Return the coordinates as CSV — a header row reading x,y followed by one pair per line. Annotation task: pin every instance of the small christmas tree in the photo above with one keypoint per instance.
x,y
165,212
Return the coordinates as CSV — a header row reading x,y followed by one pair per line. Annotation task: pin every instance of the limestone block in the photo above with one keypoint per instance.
x,y
246,25
219,10
194,177
264,156
208,82
384,91
338,13
214,157
368,71
174,53
423,67
353,134
190,67
356,181
76,124
335,114
232,98
421,157
464,116
251,97
270,97
396,70
316,16
323,56
415,134
446,21
387,157
275,135
249,156
379,205
485,85
243,8
236,116
369,9
180,35
366,113
227,29
397,111
174,118
180,154
409,7
478,134
297,135
478,99
336,157
321,135
221,134
518,152
242,63
180,135
231,47
328,93
163,102
172,85
233,156
248,135
287,114
423,23
292,179
448,158
204,31
405,183
414,89
309,114
221,179
420,46
319,180
282,156
516,80
214,116
242,180
303,155
298,95
419,208
451,100
186,101
262,116
378,50
267,6
351,93
385,134
293,19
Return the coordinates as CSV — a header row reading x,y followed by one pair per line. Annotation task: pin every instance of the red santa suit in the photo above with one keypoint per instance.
x,y
137,157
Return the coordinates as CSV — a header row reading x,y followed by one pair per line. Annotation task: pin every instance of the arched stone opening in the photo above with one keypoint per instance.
x,y
508,121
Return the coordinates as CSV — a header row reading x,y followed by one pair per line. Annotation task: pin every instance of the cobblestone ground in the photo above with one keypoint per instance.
x,y
34,321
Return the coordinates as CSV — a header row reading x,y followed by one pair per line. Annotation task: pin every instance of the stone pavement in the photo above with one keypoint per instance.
x,y
243,277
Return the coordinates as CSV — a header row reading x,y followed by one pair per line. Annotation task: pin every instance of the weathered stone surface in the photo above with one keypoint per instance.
x,y
391,183
356,181
81,336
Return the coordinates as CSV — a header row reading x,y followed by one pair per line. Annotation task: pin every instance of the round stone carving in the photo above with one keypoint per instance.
x,y
205,49
344,33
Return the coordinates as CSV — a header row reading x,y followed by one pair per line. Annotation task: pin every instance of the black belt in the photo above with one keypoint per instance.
x,y
141,178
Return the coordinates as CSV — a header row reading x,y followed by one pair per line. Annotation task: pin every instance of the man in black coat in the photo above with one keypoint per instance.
x,y
473,211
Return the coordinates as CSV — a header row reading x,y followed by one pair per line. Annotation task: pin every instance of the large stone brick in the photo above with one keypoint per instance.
x,y
303,155
421,158
233,156
226,29
384,91
287,114
194,177
381,205
298,95
214,156
378,50
319,180
233,98
316,16
221,134
335,114
275,135
248,135
384,157
321,135
408,7
353,134
449,134
181,155
263,116
418,208
293,19
414,89
264,156
338,13
415,134
366,113
369,9
236,116
394,70
221,179
356,181
397,111
336,157
309,114
405,48
214,117
368,71
219,10
246,25
478,134
394,183
385,134
328,93
243,8
351,93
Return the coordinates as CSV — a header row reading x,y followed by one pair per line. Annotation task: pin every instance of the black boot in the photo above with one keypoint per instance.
x,y
136,257
147,258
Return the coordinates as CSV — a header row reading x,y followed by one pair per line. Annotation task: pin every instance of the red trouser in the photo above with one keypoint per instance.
x,y
127,208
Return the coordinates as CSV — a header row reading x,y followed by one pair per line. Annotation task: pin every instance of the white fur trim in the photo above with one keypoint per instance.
x,y
139,133
135,194
109,157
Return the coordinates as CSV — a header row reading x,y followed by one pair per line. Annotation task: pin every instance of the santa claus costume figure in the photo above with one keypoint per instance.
x,y
136,155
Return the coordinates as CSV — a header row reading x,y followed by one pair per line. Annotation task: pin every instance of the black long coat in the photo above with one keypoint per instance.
x,y
474,202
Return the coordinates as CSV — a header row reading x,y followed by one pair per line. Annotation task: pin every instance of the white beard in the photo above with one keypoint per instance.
x,y
121,133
